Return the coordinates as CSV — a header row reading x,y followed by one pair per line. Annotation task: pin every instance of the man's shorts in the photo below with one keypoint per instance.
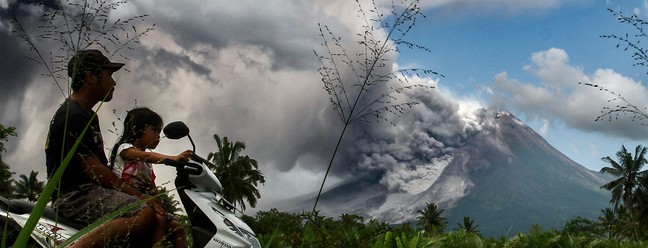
x,y
91,202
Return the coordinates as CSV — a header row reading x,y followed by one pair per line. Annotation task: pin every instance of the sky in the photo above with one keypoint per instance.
x,y
247,70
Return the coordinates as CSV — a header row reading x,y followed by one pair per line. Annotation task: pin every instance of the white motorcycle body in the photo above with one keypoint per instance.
x,y
223,228
50,230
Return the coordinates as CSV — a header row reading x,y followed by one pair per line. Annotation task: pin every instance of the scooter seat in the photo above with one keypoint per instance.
x,y
19,206
4,203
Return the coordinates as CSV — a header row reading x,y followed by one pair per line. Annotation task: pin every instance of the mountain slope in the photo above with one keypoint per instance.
x,y
524,181
506,177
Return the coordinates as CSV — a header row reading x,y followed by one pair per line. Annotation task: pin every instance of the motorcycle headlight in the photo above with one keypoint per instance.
x,y
251,239
243,233
232,227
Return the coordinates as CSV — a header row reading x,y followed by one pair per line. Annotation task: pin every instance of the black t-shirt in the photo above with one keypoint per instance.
x,y
61,137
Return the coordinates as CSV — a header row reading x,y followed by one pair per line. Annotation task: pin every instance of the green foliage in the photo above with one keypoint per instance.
x,y
582,227
628,171
629,216
404,242
430,218
29,188
468,225
238,174
336,233
5,133
608,221
386,242
279,229
170,204
458,239
6,181
276,229
186,223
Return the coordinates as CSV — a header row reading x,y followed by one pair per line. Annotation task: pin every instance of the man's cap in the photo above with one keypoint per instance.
x,y
90,60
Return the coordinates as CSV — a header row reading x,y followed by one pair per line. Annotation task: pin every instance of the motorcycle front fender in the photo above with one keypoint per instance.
x,y
230,230
47,233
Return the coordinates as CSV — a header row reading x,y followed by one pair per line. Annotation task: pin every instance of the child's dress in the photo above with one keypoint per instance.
x,y
137,173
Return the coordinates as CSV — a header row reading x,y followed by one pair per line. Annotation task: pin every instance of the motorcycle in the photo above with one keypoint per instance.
x,y
213,219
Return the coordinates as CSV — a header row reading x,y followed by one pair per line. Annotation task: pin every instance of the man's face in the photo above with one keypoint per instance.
x,y
105,85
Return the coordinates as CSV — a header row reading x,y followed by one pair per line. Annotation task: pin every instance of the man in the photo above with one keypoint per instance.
x,y
88,189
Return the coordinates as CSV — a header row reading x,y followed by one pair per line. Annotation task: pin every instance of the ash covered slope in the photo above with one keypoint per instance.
x,y
517,179
506,177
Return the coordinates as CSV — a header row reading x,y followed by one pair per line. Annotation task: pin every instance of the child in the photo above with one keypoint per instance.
x,y
142,129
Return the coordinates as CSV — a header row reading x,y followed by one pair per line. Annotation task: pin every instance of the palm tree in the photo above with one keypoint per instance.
x,y
641,206
468,225
629,189
238,174
6,188
430,218
608,220
6,181
29,188
629,175
5,133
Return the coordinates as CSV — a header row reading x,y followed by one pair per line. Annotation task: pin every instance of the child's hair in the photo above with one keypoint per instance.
x,y
136,121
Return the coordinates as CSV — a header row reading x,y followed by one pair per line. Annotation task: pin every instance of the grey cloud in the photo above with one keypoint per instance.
x,y
165,59
17,72
280,27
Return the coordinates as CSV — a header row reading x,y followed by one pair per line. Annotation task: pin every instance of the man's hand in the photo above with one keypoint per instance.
x,y
106,177
156,205
96,170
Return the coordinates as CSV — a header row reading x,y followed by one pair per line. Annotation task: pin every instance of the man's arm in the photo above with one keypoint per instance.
x,y
98,171
106,178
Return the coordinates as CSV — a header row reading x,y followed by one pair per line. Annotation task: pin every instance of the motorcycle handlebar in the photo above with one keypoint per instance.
x,y
187,167
174,163
202,160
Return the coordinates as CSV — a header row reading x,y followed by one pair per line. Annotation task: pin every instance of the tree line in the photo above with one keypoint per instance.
x,y
28,186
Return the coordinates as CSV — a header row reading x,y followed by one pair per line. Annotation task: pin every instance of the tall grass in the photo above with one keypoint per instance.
x,y
629,42
362,86
73,26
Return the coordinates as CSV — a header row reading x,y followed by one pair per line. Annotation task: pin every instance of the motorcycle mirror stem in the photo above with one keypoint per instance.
x,y
192,144
177,130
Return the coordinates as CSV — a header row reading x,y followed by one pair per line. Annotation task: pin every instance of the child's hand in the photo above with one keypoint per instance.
x,y
186,155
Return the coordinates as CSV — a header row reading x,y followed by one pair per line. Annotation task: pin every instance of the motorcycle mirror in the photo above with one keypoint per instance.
x,y
176,130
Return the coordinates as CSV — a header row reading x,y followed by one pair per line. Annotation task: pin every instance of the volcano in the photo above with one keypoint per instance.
x,y
505,177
